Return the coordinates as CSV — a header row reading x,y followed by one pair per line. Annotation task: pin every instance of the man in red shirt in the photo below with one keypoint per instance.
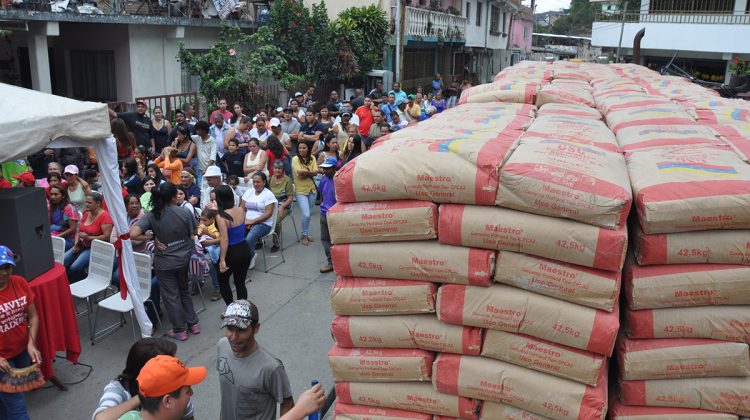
x,y
365,117
4,183
222,110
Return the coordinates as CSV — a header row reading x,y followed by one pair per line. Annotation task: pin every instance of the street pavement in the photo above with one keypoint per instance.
x,y
295,312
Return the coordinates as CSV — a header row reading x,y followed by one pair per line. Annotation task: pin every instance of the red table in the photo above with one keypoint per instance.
x,y
58,328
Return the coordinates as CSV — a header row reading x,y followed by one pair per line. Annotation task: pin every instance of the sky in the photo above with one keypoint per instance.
x,y
547,5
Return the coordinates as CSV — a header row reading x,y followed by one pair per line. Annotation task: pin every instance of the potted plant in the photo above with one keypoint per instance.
x,y
740,72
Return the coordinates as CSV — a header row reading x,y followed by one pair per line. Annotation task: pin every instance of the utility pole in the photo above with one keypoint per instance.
x,y
399,43
622,29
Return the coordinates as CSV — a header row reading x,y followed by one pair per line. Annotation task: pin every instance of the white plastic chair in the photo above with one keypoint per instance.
x,y
271,234
99,278
117,304
58,249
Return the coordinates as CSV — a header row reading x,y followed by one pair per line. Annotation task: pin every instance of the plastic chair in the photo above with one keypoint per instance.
x,y
271,234
58,249
294,223
117,304
99,278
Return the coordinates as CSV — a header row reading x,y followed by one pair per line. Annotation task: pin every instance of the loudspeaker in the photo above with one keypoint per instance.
x,y
24,228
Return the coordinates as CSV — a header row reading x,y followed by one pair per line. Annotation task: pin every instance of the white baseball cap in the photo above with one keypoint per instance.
x,y
275,122
212,170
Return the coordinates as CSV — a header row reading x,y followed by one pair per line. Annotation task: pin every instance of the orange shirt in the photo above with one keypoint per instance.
x,y
171,170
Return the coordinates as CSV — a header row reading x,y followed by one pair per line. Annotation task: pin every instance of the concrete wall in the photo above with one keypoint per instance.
x,y
517,35
661,36
479,36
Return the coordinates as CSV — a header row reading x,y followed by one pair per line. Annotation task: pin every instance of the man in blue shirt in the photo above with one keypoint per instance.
x,y
389,107
311,131
400,94
328,199
218,130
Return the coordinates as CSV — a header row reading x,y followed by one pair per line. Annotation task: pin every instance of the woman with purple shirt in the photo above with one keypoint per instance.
x,y
328,194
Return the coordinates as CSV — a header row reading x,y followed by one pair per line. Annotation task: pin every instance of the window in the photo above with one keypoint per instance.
x,y
479,14
526,31
93,75
468,12
495,15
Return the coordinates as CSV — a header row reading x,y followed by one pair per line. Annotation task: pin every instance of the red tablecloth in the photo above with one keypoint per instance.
x,y
58,328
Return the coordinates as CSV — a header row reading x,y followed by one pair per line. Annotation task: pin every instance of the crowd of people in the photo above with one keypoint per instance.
x,y
207,190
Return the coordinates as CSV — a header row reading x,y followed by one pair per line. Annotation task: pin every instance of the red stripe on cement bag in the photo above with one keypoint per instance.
x,y
654,136
667,114
456,163
727,395
572,129
703,247
620,411
382,221
569,110
496,381
543,236
380,365
670,286
574,283
344,411
729,323
673,358
561,94
606,103
690,188
369,296
515,310
405,331
543,356
500,411
417,397
737,135
523,92
423,260
563,179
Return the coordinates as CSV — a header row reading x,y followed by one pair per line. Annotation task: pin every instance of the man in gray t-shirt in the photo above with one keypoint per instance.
x,y
252,381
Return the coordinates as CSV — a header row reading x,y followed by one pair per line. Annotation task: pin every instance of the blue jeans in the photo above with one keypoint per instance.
x,y
213,252
256,232
77,264
306,203
198,176
13,406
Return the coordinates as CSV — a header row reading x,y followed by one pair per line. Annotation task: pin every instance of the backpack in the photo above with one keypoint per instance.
x,y
198,269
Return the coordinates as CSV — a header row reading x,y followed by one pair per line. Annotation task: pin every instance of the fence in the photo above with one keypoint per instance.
x,y
171,102
677,17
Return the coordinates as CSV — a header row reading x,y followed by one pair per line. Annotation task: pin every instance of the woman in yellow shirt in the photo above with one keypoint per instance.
x,y
304,168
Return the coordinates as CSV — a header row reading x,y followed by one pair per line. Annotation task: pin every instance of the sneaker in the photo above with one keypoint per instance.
x,y
216,296
326,268
274,248
195,329
179,336
305,241
252,261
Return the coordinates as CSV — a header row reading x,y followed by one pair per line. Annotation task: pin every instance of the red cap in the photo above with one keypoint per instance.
x,y
164,374
25,177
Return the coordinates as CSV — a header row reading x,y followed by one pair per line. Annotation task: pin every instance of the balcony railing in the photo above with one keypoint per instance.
x,y
722,18
424,23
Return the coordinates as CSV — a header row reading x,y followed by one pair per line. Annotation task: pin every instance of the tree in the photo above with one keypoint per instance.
x,y
578,21
363,30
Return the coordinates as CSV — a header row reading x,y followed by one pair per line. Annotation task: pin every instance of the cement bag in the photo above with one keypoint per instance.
x,y
500,411
496,381
363,412
727,395
543,236
417,397
705,247
574,283
514,310
382,221
406,332
650,136
572,74
690,188
572,129
564,179
737,135
728,323
667,114
723,111
561,94
368,296
569,110
606,102
380,365
673,358
521,91
572,84
620,411
554,359
418,260
669,286
457,163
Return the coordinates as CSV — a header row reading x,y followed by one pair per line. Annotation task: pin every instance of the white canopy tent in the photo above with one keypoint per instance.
x,y
34,120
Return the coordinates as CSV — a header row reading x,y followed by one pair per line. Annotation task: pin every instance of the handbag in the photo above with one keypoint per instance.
x,y
22,380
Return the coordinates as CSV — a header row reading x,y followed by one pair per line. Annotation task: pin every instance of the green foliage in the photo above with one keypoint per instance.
x,y
363,30
578,21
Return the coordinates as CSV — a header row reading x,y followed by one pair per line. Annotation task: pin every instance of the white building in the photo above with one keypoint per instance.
x,y
705,34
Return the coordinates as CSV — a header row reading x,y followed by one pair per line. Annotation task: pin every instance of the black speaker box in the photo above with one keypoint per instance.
x,y
24,228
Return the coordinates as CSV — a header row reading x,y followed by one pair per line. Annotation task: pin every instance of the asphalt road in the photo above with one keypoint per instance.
x,y
295,312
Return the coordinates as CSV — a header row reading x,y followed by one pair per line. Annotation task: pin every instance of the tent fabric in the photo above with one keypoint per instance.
x,y
34,120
